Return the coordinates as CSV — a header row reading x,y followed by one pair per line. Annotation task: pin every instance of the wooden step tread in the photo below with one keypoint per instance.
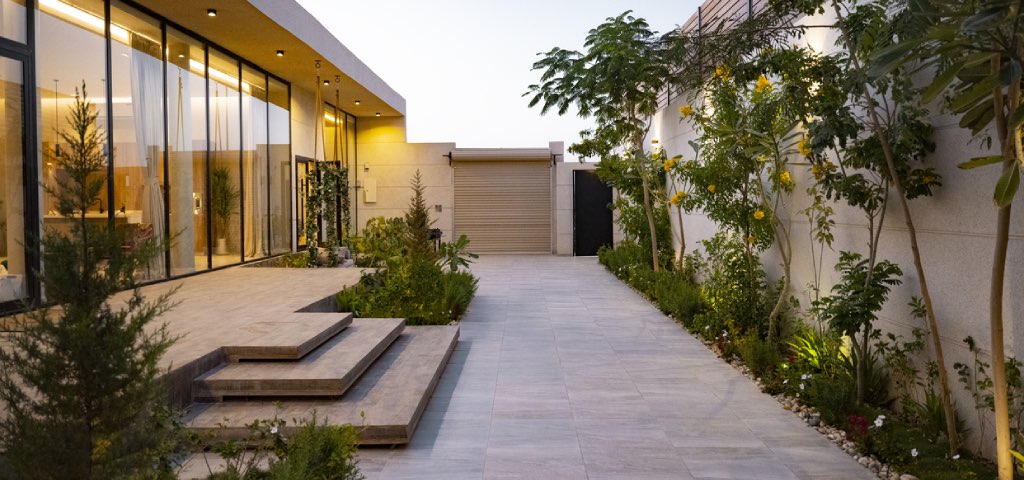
x,y
288,338
327,371
392,394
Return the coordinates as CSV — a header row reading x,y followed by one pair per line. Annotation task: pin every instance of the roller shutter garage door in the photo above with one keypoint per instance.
x,y
504,206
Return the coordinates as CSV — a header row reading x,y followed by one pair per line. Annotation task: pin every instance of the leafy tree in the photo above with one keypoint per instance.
x,y
617,82
977,51
418,222
81,383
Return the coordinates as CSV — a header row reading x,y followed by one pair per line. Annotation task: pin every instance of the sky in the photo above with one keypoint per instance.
x,y
463,65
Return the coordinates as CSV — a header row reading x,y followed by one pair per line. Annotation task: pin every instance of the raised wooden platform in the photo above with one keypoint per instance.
x,y
328,371
290,337
387,401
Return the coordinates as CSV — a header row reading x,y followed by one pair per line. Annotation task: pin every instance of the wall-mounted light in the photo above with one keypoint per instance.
x,y
211,12
358,102
280,53
378,114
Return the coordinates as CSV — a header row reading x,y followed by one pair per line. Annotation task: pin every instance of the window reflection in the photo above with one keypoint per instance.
x,y
225,178
279,153
13,271
254,163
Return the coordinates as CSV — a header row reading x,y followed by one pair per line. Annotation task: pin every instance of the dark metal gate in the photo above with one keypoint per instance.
x,y
591,212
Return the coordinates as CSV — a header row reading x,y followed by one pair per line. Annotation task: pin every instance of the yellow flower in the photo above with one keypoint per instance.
x,y
763,84
804,147
785,178
711,188
758,215
721,72
750,239
670,164
678,198
686,111
818,171
928,179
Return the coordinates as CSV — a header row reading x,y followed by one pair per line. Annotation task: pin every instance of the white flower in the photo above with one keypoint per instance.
x,y
879,421
725,333
801,386
803,377
913,452
785,381
707,327
956,457
273,430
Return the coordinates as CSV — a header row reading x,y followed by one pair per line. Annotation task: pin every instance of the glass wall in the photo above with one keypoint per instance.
x,y
279,154
199,144
254,163
61,72
12,191
186,146
138,134
225,158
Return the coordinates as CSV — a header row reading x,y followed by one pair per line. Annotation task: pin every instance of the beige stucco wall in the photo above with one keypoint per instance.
x,y
563,205
955,231
387,160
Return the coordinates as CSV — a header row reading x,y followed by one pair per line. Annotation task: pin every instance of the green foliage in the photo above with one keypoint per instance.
x,y
383,242
81,384
760,356
818,352
674,291
318,451
854,303
330,185
734,288
455,256
223,198
834,397
418,222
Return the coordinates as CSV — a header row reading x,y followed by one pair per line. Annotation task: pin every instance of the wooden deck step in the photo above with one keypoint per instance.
x,y
290,337
392,394
327,371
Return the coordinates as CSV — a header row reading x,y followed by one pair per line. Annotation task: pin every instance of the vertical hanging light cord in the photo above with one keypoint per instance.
x,y
319,115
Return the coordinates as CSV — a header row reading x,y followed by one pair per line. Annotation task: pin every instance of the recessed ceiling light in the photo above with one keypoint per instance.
x,y
327,82
211,12
181,55
358,102
378,114
280,53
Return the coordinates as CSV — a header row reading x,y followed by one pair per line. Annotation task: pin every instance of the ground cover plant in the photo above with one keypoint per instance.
x,y
410,280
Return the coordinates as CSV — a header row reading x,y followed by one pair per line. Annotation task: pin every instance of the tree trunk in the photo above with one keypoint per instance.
x,y
933,327
1002,414
650,216
786,254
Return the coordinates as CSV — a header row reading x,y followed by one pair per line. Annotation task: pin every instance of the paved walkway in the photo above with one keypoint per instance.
x,y
563,372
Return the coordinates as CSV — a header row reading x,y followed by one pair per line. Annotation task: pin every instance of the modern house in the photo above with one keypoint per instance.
x,y
213,113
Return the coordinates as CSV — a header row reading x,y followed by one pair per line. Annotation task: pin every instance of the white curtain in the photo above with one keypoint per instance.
x,y
254,133
147,110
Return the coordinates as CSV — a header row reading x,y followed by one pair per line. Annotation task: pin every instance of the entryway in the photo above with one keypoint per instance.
x,y
504,206
592,217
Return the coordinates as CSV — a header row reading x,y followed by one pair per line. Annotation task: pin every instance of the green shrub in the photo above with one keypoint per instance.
x,y
457,290
818,352
319,452
760,356
676,295
734,286
835,398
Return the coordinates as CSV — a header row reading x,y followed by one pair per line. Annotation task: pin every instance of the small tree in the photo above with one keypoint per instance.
x,y
617,82
81,382
418,222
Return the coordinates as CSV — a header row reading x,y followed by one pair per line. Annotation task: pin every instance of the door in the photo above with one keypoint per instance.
x,y
504,206
592,217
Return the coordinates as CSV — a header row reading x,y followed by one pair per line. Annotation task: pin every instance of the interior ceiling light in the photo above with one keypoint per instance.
x,y
211,12
280,53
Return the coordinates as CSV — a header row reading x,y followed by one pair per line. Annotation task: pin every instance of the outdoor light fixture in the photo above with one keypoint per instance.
x,y
358,102
378,114
280,53
327,82
211,12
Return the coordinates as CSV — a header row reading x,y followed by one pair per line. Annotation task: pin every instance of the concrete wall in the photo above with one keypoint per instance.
x,y
955,231
386,160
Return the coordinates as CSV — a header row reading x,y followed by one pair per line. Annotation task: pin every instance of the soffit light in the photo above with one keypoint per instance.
x,y
211,12
378,114
358,102
280,53
327,82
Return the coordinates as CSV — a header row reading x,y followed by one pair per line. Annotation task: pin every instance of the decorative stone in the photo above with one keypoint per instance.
x,y
814,419
907,476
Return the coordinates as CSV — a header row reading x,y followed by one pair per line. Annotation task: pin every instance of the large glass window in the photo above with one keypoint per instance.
x,y
61,72
254,163
225,151
138,133
12,190
279,153
186,146
12,19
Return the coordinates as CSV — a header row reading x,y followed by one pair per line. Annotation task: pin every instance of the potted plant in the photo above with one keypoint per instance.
x,y
222,204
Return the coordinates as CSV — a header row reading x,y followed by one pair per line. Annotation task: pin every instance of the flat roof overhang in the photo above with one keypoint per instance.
x,y
256,29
